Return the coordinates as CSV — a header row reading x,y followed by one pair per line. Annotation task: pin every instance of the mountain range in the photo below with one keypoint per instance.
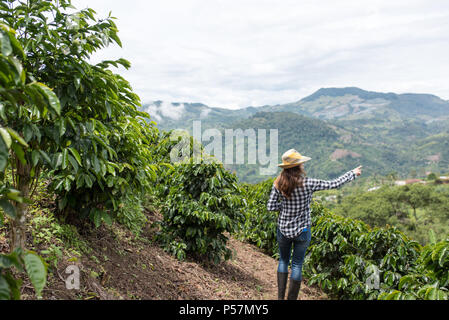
x,y
407,134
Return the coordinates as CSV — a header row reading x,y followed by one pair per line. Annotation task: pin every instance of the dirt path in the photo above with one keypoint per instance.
x,y
121,267
263,268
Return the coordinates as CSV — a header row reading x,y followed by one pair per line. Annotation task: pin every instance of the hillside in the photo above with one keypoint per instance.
x,y
312,137
349,103
386,132
335,149
352,103
114,264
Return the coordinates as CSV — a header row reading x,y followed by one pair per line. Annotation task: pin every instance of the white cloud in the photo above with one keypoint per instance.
x,y
205,112
237,53
165,109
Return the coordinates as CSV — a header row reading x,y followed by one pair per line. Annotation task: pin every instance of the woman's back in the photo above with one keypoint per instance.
x,y
294,211
291,195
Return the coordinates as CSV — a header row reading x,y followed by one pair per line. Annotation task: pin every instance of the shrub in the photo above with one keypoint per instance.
x,y
346,254
202,202
259,226
131,215
430,281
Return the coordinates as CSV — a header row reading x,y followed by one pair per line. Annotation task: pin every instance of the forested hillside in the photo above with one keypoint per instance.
x,y
419,209
334,149
388,132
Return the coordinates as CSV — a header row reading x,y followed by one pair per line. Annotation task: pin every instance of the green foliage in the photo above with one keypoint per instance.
x,y
414,209
345,253
259,225
36,270
97,148
14,92
130,214
430,281
202,202
23,261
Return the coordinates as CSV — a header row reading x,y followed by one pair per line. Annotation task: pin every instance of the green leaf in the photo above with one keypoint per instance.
x,y
97,218
50,96
96,164
65,158
58,159
27,132
106,217
73,163
62,127
432,237
76,155
3,161
5,290
14,286
16,136
6,47
36,270
6,137
88,180
443,257
9,260
79,181
34,157
17,47
45,156
14,195
19,152
67,184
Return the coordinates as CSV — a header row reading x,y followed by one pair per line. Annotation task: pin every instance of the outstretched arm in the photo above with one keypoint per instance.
x,y
317,185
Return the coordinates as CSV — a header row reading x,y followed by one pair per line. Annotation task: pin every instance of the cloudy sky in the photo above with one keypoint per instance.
x,y
238,53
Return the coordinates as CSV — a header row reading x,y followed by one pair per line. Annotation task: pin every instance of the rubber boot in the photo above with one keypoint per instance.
x,y
282,284
293,289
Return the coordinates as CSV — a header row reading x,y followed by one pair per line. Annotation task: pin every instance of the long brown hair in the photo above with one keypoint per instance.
x,y
289,179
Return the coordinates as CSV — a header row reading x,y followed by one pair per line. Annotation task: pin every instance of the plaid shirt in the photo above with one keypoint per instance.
x,y
294,213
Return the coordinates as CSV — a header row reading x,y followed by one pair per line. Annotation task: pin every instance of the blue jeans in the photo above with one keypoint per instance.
x,y
300,245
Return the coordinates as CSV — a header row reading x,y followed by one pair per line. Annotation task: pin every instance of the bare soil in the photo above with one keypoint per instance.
x,y
121,266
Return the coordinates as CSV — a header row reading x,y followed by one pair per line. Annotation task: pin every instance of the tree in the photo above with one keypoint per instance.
x,y
369,207
432,176
17,96
417,195
96,144
24,103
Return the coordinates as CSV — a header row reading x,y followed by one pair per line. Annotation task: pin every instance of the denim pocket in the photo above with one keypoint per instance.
x,y
304,236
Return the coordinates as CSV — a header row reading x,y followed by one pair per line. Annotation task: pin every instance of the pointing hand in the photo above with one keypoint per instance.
x,y
358,171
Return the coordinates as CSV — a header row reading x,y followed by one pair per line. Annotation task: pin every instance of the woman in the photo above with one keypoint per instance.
x,y
291,195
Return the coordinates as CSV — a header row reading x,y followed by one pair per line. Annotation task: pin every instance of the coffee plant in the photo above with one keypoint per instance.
x,y
352,261
259,225
202,205
85,135
430,279
17,91
97,149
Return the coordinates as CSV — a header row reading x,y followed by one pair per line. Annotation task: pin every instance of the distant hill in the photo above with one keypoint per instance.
x,y
353,104
180,115
338,127
327,103
333,149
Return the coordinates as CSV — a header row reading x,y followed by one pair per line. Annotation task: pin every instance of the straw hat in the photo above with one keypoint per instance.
x,y
292,158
